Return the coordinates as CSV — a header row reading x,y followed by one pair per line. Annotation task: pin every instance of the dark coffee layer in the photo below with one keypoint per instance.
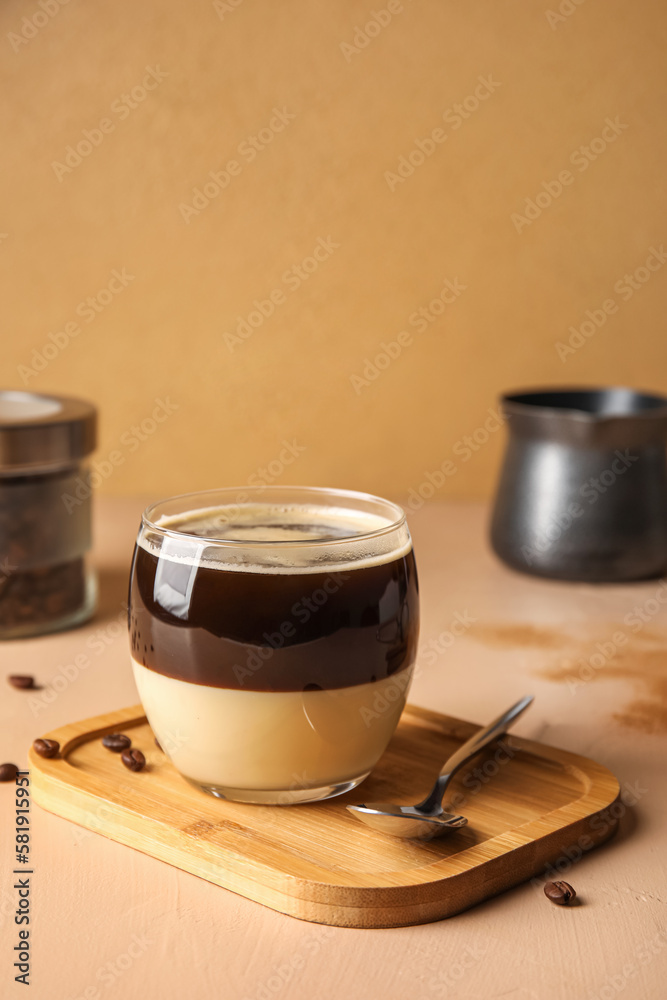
x,y
273,631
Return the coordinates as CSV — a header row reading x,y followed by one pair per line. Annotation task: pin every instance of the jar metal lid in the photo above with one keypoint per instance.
x,y
39,432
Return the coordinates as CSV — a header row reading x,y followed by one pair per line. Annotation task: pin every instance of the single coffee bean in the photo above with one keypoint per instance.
x,y
559,892
22,681
117,742
8,772
134,759
46,748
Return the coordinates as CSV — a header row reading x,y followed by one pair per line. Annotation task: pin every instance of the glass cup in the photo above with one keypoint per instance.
x,y
273,634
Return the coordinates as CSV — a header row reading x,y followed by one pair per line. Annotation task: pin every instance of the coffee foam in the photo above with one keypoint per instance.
x,y
337,535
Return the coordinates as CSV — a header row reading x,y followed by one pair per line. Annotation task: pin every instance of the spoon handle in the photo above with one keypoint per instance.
x,y
471,747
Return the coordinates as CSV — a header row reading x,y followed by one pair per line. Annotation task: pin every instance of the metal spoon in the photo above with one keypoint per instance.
x,y
427,819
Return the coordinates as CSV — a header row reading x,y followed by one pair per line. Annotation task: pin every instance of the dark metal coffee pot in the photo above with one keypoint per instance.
x,y
583,489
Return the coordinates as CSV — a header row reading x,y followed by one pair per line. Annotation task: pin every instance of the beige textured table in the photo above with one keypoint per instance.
x,y
110,922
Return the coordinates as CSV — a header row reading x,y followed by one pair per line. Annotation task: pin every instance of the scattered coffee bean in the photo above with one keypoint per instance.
x,y
46,748
559,892
134,759
8,772
117,742
22,681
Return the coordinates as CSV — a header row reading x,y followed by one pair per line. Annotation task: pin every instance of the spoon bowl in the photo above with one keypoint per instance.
x,y
407,821
427,819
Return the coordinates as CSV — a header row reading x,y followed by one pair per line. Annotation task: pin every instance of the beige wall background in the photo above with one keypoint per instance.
x,y
355,85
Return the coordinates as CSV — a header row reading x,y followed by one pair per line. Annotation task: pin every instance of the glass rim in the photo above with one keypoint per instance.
x,y
250,491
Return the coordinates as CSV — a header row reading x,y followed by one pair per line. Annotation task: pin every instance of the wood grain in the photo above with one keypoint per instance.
x,y
527,806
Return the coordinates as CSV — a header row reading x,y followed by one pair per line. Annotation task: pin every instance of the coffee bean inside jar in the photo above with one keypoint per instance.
x,y
45,513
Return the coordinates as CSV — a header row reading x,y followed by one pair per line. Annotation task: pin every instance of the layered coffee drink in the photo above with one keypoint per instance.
x,y
273,640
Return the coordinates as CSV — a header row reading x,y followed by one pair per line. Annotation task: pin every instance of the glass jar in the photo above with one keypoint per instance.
x,y
46,582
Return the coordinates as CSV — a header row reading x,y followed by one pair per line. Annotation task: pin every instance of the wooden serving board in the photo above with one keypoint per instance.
x,y
527,807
